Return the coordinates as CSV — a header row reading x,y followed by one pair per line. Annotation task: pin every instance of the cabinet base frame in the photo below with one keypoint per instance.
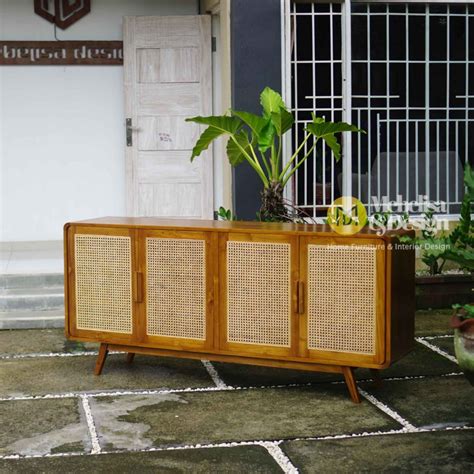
x,y
347,372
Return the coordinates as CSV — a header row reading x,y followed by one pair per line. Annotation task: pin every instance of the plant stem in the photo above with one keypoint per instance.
x,y
280,144
293,170
274,176
264,160
255,165
295,154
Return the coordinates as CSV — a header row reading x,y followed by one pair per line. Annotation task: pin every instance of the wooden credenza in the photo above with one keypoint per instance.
x,y
282,295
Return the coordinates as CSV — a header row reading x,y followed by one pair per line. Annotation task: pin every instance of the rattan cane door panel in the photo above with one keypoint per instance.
x,y
178,282
344,307
101,284
257,294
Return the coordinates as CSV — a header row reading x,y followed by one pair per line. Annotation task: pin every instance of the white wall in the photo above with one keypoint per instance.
x,y
62,128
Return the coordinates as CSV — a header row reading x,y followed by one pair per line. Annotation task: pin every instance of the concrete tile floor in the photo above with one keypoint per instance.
x,y
172,415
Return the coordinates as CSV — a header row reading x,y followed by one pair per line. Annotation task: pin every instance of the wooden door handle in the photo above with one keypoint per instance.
x,y
299,306
300,295
138,287
297,300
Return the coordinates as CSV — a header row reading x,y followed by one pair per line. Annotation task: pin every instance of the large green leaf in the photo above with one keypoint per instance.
x,y
255,122
327,130
206,138
282,121
218,126
320,128
331,142
266,138
262,128
271,101
222,122
234,153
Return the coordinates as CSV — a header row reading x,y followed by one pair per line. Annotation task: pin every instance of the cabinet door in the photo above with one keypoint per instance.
x,y
178,288
100,303
257,298
344,315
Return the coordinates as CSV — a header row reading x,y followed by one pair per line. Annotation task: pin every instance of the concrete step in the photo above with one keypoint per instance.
x,y
39,280
31,299
31,285
32,319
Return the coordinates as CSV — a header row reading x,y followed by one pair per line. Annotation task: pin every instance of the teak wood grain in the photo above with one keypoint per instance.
x,y
393,293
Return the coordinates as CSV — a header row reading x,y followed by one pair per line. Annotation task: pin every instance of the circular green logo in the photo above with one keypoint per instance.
x,y
347,215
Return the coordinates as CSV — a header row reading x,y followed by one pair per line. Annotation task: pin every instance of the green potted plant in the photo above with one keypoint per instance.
x,y
257,140
439,289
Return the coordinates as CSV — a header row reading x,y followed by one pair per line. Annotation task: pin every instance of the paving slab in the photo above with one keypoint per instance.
x,y
431,402
138,422
433,322
239,375
420,453
240,459
27,341
444,343
421,361
75,374
39,427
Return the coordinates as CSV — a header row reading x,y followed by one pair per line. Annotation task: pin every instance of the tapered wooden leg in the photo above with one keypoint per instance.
x,y
130,357
351,383
99,365
376,376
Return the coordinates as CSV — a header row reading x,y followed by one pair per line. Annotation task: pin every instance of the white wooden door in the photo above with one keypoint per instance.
x,y
168,77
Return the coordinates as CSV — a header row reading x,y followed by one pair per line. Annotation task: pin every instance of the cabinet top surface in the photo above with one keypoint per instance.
x,y
226,226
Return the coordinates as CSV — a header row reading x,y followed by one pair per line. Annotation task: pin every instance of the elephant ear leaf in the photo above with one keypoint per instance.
x,y
262,128
266,137
331,142
271,101
282,121
254,122
217,126
234,151
327,130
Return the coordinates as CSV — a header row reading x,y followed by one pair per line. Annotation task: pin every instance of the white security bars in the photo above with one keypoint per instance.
x,y
411,73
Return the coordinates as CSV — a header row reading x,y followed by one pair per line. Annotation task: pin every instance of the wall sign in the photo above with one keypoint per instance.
x,y
63,13
40,53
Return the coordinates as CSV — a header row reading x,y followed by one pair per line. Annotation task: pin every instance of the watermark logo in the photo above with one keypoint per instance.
x,y
347,215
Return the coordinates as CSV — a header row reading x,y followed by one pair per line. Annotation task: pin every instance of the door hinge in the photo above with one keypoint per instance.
x,y
213,44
